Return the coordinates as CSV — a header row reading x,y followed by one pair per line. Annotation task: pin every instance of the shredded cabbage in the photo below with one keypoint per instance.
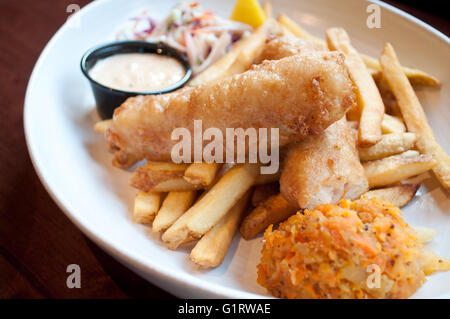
x,y
201,35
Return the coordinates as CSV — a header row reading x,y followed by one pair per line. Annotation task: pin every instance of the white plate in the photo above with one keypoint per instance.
x,y
75,167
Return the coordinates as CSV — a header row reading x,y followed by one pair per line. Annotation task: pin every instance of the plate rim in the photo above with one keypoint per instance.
x,y
133,260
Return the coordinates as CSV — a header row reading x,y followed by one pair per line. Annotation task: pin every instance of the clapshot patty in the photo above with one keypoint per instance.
x,y
337,251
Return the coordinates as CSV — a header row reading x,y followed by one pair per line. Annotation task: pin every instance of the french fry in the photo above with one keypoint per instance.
x,y
267,8
390,103
413,114
211,249
295,29
151,174
432,263
102,126
390,144
201,174
237,60
424,234
392,124
174,205
395,168
224,168
212,207
416,77
262,179
398,195
145,180
146,206
252,47
369,99
178,184
263,192
391,106
274,210
285,31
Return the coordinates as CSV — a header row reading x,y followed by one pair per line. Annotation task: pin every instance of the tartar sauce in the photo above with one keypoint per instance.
x,y
137,72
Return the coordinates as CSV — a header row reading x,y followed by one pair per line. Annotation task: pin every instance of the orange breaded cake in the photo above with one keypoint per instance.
x,y
336,251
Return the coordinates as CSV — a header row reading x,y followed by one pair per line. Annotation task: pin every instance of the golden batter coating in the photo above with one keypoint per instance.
x,y
301,95
323,168
282,47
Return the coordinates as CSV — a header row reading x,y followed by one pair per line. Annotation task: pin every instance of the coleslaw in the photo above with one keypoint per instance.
x,y
203,36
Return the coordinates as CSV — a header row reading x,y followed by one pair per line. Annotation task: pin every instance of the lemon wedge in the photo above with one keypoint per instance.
x,y
249,12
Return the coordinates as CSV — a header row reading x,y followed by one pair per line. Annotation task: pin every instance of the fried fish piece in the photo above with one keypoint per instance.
x,y
277,48
323,168
301,95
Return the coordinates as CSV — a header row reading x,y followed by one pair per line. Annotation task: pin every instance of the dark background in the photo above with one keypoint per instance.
x,y
37,241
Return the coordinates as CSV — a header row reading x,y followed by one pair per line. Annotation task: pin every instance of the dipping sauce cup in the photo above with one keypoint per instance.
x,y
107,98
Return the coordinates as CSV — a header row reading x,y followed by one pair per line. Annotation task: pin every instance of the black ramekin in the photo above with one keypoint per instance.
x,y
108,99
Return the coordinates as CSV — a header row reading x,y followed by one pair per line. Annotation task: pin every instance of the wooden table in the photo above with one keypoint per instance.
x,y
37,241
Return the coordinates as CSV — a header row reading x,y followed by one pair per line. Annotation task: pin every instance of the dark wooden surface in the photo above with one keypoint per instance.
x,y
37,241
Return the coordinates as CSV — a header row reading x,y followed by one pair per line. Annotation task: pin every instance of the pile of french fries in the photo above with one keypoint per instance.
x,y
208,201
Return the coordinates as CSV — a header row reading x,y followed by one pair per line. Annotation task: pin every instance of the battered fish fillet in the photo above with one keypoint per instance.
x,y
323,169
301,95
280,47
